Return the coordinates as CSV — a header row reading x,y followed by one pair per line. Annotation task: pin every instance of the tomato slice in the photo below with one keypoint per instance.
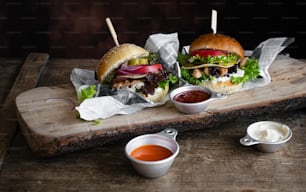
x,y
139,69
208,52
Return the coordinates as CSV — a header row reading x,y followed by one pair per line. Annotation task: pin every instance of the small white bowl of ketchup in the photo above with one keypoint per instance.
x,y
153,154
193,99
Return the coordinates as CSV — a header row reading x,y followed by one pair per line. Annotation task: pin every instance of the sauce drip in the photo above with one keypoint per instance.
x,y
151,153
191,96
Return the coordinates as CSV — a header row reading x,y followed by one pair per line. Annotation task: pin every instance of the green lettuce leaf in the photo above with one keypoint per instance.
x,y
251,72
191,79
223,60
89,92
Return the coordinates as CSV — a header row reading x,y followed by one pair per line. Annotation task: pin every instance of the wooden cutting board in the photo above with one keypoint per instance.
x,y
51,127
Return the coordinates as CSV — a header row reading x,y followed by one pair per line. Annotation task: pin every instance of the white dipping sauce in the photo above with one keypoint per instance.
x,y
268,131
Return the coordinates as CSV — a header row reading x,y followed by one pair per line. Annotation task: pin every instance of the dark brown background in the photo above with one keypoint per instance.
x,y
77,28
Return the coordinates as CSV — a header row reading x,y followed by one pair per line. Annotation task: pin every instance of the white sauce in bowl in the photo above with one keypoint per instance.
x,y
268,131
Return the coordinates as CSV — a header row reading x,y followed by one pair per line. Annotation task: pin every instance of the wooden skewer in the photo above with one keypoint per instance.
x,y
112,30
214,21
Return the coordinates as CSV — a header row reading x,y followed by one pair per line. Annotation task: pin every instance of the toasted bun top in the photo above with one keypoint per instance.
x,y
218,42
113,58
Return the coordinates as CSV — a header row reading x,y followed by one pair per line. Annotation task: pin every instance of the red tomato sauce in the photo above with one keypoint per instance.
x,y
192,96
151,153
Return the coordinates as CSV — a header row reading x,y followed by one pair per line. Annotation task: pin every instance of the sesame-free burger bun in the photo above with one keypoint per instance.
x,y
222,87
113,58
217,42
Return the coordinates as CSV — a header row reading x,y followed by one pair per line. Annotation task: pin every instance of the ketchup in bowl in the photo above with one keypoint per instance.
x,y
192,96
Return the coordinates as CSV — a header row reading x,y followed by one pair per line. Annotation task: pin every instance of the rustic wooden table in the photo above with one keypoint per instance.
x,y
209,160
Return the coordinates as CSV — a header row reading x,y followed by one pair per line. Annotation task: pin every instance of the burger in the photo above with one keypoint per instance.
x,y
217,61
128,66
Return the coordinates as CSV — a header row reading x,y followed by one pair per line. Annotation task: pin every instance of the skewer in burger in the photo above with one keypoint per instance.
x,y
217,61
128,66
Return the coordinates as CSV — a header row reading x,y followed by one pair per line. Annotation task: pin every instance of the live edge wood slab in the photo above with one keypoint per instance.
x,y
49,123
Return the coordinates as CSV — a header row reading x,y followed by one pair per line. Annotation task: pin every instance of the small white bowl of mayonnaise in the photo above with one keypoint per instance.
x,y
267,136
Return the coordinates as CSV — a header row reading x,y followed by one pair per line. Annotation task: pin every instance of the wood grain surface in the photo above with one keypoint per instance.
x,y
51,127
209,160
27,78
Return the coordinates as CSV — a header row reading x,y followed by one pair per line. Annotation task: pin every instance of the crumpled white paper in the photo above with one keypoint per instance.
x,y
108,103
266,53
167,45
107,106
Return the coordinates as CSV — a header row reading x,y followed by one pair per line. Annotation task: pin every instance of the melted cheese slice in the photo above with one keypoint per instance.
x,y
208,65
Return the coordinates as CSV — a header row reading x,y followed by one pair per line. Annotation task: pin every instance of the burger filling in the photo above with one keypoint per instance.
x,y
217,66
141,75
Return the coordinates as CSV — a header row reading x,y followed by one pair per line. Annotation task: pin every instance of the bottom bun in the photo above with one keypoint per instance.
x,y
158,95
222,87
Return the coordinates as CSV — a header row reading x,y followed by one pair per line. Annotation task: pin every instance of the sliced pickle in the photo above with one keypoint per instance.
x,y
138,61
